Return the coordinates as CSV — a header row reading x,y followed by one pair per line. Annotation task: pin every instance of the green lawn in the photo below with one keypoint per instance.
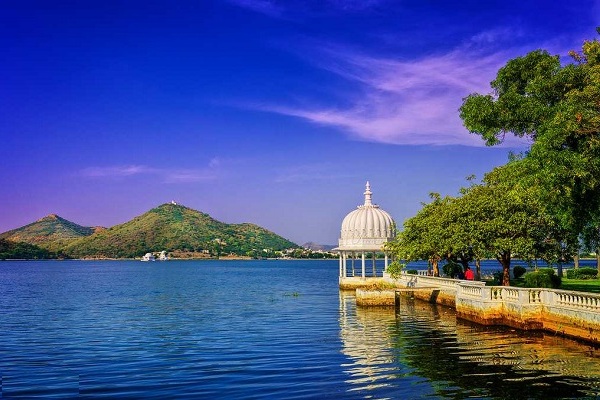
x,y
581,285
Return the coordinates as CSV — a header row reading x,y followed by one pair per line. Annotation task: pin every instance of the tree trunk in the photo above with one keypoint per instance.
x,y
504,260
576,261
477,269
436,269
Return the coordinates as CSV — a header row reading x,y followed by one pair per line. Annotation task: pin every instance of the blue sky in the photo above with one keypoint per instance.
x,y
270,112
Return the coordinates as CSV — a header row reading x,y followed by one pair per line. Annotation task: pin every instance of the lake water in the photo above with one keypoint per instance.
x,y
256,329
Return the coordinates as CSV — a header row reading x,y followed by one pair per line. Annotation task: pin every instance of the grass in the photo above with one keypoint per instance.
x,y
578,285
581,285
380,285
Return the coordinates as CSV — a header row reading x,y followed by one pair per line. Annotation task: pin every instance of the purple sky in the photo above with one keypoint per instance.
x,y
270,112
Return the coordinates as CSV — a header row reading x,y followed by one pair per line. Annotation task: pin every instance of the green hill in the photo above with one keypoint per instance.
x,y
173,227
19,250
51,232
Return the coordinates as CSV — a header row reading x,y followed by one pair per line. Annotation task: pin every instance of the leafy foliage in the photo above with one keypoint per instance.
x,y
519,271
542,278
582,273
452,269
422,236
20,250
498,218
558,108
395,269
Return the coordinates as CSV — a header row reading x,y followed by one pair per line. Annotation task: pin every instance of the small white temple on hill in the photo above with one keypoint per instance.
x,y
364,230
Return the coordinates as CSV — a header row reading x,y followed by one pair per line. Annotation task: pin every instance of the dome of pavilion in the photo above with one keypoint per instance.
x,y
366,228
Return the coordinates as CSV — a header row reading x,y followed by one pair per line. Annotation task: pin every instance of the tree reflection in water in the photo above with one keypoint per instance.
x,y
421,349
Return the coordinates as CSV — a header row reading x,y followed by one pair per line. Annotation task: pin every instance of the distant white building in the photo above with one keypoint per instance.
x,y
364,230
148,257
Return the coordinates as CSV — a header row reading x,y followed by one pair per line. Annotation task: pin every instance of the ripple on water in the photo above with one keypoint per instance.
x,y
256,330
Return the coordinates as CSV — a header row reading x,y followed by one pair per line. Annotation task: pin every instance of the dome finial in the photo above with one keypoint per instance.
x,y
368,194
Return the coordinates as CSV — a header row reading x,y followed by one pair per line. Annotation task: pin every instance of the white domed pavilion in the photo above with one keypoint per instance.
x,y
364,230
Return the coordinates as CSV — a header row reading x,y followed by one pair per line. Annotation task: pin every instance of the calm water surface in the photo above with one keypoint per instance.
x,y
256,329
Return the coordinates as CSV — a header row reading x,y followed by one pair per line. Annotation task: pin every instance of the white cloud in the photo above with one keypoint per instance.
x,y
166,175
117,171
407,101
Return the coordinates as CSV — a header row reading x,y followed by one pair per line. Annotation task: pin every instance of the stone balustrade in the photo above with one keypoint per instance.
x,y
577,300
575,314
570,313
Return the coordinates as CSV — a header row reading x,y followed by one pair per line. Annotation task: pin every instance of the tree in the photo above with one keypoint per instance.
x,y
500,217
421,238
504,218
558,108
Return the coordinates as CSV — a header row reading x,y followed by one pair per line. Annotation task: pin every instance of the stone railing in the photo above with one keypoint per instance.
x,y
425,280
440,290
577,300
471,291
571,313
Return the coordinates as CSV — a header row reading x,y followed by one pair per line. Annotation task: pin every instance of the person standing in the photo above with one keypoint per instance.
x,y
469,275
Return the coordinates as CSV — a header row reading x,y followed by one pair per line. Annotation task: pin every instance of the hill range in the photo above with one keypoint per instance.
x,y
171,227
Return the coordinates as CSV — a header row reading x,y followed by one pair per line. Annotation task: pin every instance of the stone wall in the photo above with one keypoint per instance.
x,y
574,314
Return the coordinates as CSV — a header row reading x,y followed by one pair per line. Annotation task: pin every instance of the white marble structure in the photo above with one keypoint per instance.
x,y
364,230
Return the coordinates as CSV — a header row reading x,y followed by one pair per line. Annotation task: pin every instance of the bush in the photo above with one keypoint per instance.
x,y
452,269
412,271
519,271
542,278
498,275
395,269
582,273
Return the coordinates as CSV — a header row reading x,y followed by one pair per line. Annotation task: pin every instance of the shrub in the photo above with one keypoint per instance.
x,y
412,272
498,275
395,269
542,278
519,271
452,269
582,273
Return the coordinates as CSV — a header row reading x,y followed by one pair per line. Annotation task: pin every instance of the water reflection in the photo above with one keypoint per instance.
x,y
421,349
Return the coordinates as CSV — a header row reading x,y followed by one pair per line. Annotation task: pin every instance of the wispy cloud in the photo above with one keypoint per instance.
x,y
407,102
266,7
303,9
165,175
116,171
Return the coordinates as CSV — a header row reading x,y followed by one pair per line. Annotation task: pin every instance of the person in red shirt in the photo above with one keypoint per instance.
x,y
469,275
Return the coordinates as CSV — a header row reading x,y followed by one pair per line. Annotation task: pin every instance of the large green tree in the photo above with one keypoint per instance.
x,y
558,107
505,219
422,235
500,218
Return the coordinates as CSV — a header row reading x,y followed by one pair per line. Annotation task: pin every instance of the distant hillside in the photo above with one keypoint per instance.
x,y
19,250
51,232
174,227
315,246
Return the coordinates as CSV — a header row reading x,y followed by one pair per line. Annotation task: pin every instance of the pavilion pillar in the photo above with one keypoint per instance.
x,y
385,263
353,259
341,265
374,269
363,264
